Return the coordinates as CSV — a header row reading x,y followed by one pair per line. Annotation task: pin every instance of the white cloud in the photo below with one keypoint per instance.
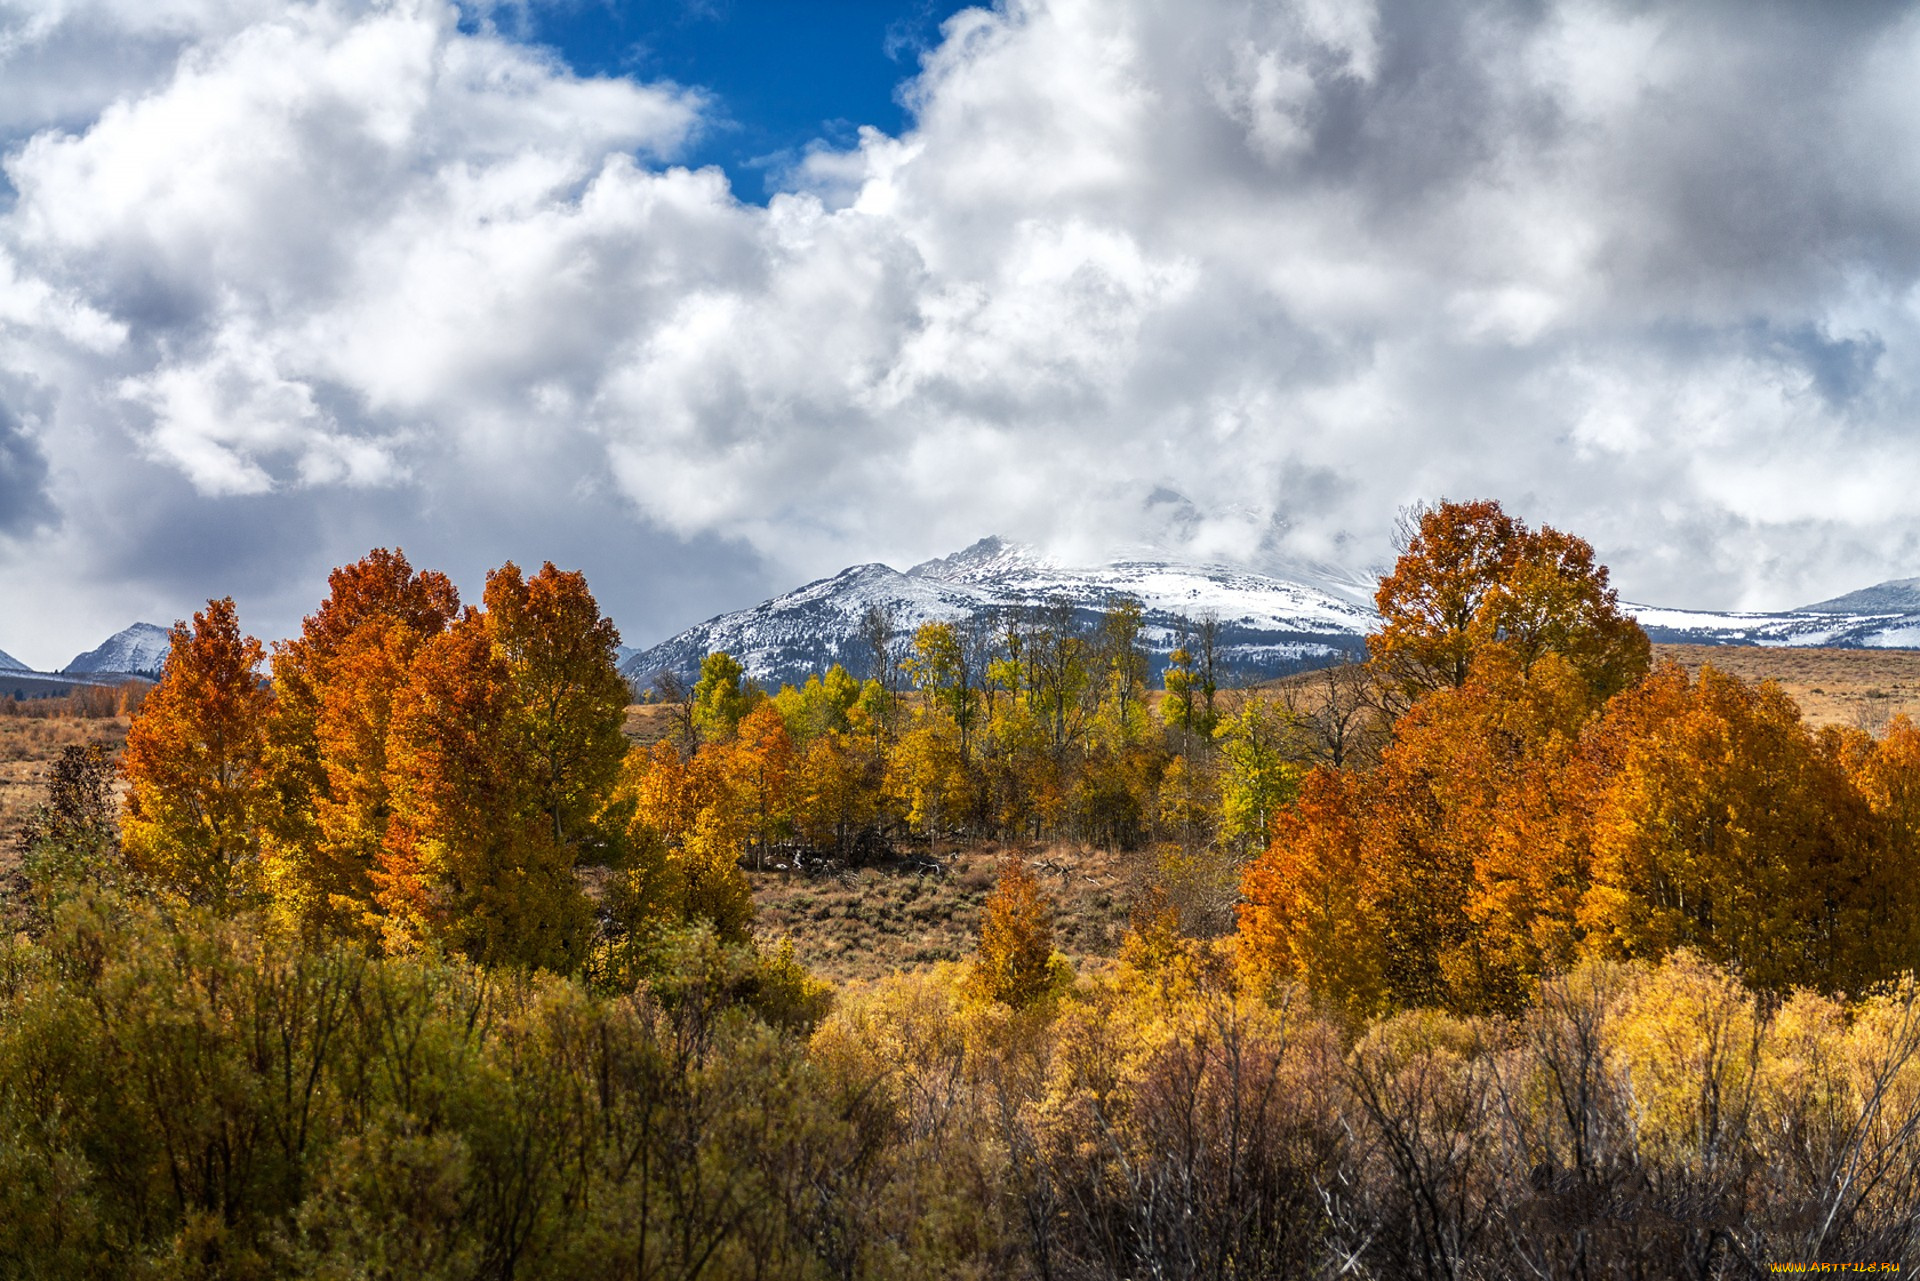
x,y
345,269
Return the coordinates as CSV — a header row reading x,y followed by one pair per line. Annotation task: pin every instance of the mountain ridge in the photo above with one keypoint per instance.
x,y
1270,622
1267,625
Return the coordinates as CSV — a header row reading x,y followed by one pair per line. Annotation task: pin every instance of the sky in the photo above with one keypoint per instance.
x,y
712,298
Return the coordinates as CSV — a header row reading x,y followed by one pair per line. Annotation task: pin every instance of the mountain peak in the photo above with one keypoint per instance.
x,y
140,650
8,663
991,557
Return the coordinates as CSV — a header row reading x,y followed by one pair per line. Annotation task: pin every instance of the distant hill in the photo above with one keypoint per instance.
x,y
1267,624
139,650
8,663
1884,616
1895,596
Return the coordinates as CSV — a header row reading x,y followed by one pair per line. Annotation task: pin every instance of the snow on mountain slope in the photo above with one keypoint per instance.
x,y
8,663
1836,628
141,648
1266,624
1236,597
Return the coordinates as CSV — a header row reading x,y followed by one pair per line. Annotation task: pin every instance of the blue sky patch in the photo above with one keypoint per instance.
x,y
783,73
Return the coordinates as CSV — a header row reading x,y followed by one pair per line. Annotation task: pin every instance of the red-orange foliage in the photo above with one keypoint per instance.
x,y
1512,827
1720,823
335,686
193,765
1473,577
1310,908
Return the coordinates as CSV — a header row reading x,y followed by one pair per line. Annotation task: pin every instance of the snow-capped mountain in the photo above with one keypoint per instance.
x,y
1816,625
1266,624
140,649
8,663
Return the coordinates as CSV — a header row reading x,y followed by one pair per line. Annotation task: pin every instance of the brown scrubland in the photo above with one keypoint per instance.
x,y
1524,949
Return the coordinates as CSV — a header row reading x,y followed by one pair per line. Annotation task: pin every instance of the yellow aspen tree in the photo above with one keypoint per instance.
x,y
568,698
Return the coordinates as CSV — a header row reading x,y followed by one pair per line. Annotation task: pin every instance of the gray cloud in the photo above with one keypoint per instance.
x,y
24,503
286,281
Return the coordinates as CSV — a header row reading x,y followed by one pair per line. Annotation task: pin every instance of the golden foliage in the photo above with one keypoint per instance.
x,y
1014,963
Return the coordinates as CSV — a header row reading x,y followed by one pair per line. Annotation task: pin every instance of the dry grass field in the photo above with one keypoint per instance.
x,y
866,923
1859,687
29,745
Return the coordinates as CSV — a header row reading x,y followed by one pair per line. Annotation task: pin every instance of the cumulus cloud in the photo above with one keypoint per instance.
x,y
282,280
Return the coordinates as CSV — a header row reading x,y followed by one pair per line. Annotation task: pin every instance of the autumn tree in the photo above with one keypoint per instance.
x,y
568,698
1723,825
1472,576
1192,679
1443,866
1058,671
687,830
760,764
927,775
194,765
471,859
837,791
1261,745
944,670
821,705
720,697
334,687
1311,908
1122,659
1014,962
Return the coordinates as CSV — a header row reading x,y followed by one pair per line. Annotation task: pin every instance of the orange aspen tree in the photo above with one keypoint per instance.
x,y
334,687
1445,876
1013,964
1428,604
1473,577
1724,827
760,762
468,859
1309,910
193,765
